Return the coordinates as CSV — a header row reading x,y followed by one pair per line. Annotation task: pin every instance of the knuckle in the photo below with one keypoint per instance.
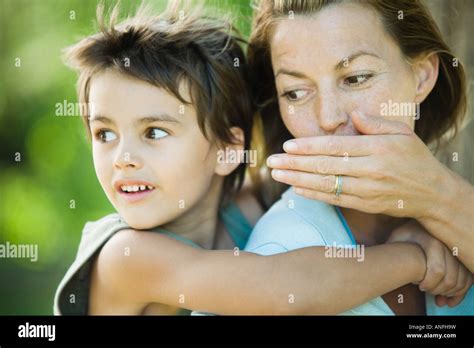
x,y
322,165
333,147
378,171
327,184
291,162
307,146
436,270
450,282
377,145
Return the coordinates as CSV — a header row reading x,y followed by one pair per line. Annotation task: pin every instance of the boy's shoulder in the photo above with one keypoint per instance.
x,y
94,235
100,230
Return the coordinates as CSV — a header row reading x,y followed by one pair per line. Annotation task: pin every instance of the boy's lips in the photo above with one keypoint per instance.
x,y
134,190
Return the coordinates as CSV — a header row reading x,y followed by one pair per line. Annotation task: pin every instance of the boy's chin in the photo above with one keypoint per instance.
x,y
140,223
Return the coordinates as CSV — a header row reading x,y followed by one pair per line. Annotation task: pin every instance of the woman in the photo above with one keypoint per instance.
x,y
364,57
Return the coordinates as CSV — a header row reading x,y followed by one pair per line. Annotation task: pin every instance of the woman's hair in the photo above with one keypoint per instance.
x,y
416,34
178,46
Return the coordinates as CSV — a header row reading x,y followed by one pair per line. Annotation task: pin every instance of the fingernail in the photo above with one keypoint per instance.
x,y
274,161
277,173
360,115
298,191
290,146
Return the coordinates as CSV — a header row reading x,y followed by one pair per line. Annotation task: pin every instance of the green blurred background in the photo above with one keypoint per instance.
x,y
56,163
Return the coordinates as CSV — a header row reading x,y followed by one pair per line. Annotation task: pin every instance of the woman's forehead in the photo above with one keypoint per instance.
x,y
338,30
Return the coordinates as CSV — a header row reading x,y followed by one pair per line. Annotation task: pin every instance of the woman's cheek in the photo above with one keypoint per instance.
x,y
300,121
393,104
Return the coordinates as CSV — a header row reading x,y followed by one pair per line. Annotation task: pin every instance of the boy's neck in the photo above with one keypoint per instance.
x,y
199,224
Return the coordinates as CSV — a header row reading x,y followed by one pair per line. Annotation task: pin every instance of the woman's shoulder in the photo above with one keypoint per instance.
x,y
295,222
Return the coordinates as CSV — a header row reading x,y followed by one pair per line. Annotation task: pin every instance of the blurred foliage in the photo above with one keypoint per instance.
x,y
45,160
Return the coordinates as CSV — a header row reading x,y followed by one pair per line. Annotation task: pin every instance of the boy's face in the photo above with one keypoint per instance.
x,y
142,140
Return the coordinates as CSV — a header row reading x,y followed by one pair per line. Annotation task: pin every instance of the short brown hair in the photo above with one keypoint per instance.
x,y
417,34
176,46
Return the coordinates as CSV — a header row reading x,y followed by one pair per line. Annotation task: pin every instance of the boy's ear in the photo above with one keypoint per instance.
x,y
229,156
426,73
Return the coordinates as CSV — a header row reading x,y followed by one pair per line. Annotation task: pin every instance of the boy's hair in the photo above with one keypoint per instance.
x,y
176,47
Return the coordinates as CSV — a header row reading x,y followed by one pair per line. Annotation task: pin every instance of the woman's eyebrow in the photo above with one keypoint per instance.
x,y
345,62
293,73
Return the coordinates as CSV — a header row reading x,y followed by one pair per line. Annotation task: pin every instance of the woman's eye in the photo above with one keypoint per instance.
x,y
105,136
357,80
295,95
156,133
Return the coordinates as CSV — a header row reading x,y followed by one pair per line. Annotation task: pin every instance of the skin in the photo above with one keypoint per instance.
x,y
380,157
329,92
162,152
158,269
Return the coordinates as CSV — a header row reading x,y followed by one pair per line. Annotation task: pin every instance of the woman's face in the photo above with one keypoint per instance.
x,y
334,62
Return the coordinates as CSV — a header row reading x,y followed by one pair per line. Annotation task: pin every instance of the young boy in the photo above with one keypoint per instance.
x,y
165,95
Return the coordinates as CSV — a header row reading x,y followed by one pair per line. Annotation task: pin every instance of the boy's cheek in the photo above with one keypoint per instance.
x,y
103,175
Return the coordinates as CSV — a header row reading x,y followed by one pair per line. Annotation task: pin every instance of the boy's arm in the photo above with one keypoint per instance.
x,y
160,269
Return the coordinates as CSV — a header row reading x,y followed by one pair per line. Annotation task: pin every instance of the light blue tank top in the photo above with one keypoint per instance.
x,y
296,222
234,222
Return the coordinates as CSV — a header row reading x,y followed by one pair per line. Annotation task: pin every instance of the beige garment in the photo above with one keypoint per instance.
x,y
72,294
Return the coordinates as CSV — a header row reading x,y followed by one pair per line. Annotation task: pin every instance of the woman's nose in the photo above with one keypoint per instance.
x,y
330,112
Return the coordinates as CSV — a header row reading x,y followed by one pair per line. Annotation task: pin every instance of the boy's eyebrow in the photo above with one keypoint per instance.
x,y
147,119
102,119
158,118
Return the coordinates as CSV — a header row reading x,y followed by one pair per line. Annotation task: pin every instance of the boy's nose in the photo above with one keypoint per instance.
x,y
126,160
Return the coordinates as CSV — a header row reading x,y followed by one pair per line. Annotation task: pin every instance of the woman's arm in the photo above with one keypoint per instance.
x,y
451,218
159,269
387,170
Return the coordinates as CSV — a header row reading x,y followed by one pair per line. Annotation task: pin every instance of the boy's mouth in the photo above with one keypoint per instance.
x,y
133,190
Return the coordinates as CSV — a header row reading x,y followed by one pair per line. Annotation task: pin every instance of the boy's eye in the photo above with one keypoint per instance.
x,y
105,136
357,80
295,95
156,133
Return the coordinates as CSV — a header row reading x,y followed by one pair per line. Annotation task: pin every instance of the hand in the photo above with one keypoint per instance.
x,y
389,170
445,276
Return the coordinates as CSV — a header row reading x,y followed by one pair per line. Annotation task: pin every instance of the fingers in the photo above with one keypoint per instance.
x,y
332,145
455,300
450,276
321,164
344,200
321,183
378,124
459,295
441,300
461,282
435,266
